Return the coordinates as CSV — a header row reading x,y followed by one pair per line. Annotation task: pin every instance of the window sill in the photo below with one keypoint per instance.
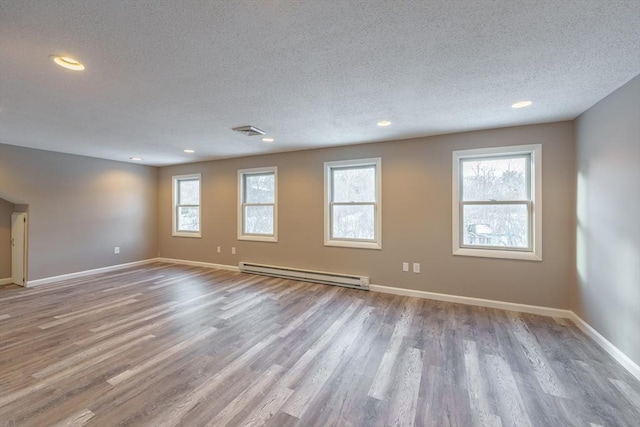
x,y
496,253
186,234
272,239
352,244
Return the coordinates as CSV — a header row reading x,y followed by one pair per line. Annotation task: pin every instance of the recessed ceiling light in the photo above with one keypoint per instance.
x,y
189,151
383,123
66,62
521,104
267,139
137,159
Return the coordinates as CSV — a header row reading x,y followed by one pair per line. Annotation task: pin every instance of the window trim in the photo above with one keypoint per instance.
x,y
376,243
257,237
534,253
174,217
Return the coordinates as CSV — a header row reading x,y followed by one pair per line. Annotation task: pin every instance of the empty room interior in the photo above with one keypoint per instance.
x,y
320,213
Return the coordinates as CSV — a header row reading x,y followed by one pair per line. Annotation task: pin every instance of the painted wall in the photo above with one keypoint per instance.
x,y
608,207
6,209
80,208
416,194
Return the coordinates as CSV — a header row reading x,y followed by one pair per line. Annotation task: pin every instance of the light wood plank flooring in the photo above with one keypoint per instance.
x,y
165,345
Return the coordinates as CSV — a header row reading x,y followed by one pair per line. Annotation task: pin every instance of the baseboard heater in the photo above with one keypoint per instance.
x,y
337,279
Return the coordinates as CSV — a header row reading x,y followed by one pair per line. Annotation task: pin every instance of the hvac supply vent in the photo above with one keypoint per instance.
x,y
337,279
249,130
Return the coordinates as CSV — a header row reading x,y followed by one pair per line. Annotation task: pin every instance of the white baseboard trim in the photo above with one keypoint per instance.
x,y
198,264
509,306
6,281
53,279
606,345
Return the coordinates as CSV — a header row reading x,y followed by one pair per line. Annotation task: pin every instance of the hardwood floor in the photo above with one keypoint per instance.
x,y
165,345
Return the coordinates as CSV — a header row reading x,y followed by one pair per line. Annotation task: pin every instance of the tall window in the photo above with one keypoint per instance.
x,y
258,212
353,208
186,205
497,203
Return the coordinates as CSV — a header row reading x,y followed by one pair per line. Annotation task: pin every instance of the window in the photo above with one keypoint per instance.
x,y
353,208
257,211
497,202
186,205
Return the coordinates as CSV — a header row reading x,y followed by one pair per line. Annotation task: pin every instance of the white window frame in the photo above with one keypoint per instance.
x,y
376,242
174,218
242,173
534,252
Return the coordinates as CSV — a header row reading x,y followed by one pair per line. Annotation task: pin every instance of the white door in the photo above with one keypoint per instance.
x,y
18,238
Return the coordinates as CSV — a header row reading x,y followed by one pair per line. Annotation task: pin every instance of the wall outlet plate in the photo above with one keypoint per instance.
x,y
416,267
116,250
405,266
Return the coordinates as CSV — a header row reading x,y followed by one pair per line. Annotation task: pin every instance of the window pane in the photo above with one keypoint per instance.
x,y
353,222
259,188
495,179
354,184
189,192
496,225
258,220
188,219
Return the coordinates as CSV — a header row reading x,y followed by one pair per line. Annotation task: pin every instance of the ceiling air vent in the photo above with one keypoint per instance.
x,y
249,130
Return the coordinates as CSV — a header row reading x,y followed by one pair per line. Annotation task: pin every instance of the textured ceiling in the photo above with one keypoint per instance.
x,y
164,76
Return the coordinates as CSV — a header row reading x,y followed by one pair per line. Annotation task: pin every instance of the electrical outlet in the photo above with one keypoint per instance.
x,y
405,266
416,267
218,249
233,250
116,250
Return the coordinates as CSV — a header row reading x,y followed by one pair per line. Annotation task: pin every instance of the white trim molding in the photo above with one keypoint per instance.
x,y
198,264
53,279
6,281
480,302
606,345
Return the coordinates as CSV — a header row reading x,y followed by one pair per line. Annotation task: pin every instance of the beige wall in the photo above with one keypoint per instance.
x,y
416,187
80,208
6,209
608,207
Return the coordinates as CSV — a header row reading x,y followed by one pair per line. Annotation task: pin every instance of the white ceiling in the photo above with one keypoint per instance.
x,y
164,76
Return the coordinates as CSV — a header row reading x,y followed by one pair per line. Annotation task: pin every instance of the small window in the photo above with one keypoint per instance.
x,y
353,212
497,202
186,205
257,210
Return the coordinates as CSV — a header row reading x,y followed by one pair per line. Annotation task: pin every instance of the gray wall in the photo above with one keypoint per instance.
x,y
608,207
6,209
80,208
417,215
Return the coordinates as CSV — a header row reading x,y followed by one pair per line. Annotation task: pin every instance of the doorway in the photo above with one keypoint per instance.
x,y
19,248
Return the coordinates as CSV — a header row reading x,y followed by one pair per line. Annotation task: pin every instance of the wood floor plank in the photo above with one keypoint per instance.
x,y
169,345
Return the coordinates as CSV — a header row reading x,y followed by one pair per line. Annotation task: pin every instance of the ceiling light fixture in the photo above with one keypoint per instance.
x,y
137,159
383,123
66,62
189,151
267,139
521,104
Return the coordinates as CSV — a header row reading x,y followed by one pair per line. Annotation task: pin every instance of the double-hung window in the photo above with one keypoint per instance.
x,y
186,205
258,210
353,208
497,202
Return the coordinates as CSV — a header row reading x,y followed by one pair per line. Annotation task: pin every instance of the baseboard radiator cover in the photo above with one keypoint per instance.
x,y
336,279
